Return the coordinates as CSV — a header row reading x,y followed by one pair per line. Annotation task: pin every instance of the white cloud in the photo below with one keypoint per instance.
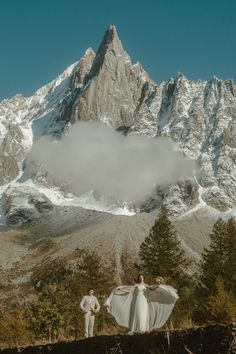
x,y
92,156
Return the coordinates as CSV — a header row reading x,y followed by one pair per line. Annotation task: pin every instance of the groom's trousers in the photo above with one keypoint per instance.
x,y
88,324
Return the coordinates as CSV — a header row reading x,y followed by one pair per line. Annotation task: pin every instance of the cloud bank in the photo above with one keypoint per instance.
x,y
92,156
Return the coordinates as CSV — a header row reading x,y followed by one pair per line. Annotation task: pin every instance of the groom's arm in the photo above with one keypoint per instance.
x,y
82,305
97,305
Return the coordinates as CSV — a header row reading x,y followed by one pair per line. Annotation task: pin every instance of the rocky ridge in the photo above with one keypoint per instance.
x,y
208,340
200,116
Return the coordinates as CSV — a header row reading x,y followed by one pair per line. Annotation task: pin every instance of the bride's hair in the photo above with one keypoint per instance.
x,y
139,276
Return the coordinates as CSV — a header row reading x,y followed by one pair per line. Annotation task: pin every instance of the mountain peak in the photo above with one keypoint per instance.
x,y
110,48
89,52
215,78
110,41
112,30
180,76
82,68
110,35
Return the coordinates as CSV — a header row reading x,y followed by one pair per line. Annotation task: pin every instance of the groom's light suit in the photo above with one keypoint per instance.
x,y
89,305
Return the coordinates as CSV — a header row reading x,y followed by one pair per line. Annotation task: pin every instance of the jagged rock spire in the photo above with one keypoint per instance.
x,y
82,68
110,46
112,79
110,41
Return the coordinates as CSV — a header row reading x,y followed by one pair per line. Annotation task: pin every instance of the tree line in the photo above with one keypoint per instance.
x,y
207,293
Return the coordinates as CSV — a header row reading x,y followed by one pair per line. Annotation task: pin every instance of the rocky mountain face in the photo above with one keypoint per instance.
x,y
114,90
200,116
22,204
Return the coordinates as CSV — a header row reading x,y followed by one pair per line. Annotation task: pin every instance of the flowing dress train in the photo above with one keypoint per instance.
x,y
142,308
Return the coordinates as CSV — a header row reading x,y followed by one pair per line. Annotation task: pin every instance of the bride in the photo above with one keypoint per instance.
x,y
142,307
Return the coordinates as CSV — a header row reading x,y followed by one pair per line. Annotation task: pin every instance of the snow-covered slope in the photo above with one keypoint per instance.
x,y
199,115
25,119
21,118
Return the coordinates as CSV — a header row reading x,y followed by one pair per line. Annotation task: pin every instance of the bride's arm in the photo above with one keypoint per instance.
x,y
152,287
159,281
126,289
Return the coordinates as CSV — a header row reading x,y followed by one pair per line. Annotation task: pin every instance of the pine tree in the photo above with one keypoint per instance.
x,y
230,263
219,259
49,316
56,312
161,252
220,307
14,329
53,272
92,272
102,278
217,280
129,267
214,258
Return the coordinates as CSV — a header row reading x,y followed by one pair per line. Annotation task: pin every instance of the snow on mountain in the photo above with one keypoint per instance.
x,y
23,202
23,118
199,115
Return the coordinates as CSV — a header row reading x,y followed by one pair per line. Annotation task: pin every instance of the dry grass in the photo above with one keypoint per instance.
x,y
41,248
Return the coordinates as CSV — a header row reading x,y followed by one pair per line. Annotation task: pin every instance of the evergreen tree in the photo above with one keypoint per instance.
x,y
230,263
52,272
161,253
93,273
220,307
217,280
219,259
128,268
60,288
14,329
214,258
49,316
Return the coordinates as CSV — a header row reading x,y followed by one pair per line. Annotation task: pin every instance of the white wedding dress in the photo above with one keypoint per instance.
x,y
142,308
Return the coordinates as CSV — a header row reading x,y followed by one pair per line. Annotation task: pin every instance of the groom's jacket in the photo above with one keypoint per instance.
x,y
89,303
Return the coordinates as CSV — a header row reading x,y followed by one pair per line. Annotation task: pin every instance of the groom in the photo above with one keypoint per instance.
x,y
89,305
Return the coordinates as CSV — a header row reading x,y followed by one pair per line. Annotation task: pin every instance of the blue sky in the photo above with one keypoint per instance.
x,y
40,38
